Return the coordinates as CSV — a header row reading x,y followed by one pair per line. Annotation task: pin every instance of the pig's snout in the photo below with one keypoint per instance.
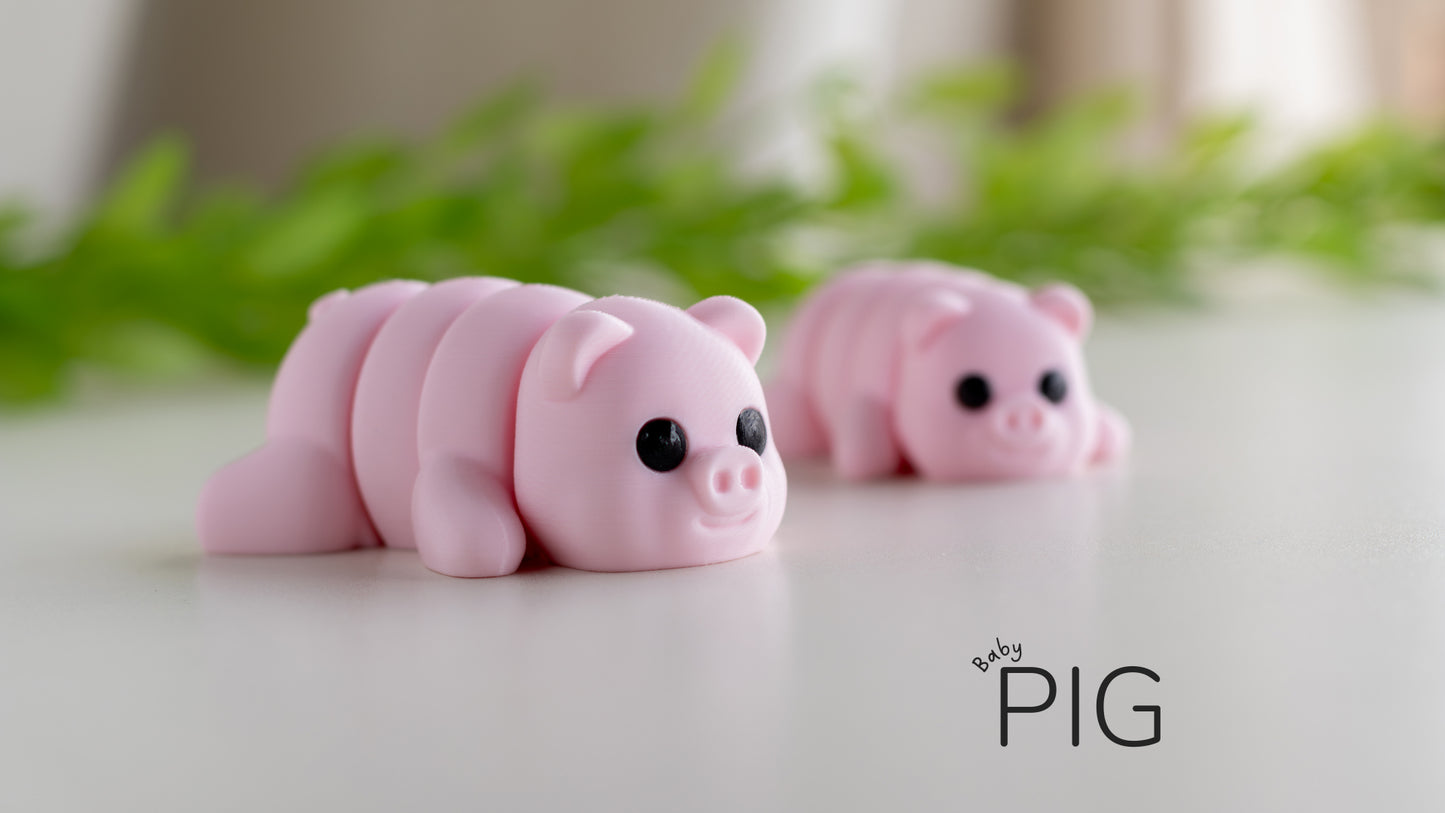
x,y
1023,422
728,481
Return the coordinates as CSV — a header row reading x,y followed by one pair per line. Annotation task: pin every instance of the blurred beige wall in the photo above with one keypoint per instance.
x,y
1072,46
255,84
259,83
1408,56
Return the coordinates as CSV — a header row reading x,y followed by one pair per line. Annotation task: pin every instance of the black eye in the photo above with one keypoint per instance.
x,y
752,432
1053,386
661,444
973,392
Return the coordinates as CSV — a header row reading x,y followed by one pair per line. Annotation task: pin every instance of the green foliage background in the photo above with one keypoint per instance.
x,y
164,273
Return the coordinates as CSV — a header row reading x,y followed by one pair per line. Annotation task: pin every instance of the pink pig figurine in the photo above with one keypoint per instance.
x,y
948,371
464,417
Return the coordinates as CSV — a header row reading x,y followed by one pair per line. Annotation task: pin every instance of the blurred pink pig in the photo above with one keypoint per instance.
x,y
948,371
462,418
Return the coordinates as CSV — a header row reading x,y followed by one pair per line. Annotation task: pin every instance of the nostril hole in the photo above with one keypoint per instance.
x,y
752,478
721,482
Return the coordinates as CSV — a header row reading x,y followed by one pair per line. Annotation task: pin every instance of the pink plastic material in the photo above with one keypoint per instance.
x,y
467,417
873,374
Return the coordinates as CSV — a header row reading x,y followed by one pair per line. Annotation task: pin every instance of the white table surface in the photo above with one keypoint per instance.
x,y
1275,551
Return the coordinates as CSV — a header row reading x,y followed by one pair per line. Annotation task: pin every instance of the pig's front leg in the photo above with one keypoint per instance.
x,y
465,520
1114,437
863,447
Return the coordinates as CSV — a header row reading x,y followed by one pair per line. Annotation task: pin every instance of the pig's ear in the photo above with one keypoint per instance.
x,y
572,346
932,314
735,319
1066,305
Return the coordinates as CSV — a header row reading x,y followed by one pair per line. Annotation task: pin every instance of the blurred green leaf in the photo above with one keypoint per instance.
x,y
164,272
147,189
714,81
309,233
980,90
492,117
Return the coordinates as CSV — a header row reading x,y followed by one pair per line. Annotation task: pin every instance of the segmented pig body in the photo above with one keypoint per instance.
x,y
400,411
948,371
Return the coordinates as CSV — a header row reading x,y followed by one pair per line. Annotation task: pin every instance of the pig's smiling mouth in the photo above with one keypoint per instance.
x,y
719,523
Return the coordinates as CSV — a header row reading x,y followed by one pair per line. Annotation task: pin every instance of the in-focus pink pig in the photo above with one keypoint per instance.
x,y
462,418
947,371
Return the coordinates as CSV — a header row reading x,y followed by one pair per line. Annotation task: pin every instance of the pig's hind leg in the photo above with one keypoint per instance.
x,y
298,493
